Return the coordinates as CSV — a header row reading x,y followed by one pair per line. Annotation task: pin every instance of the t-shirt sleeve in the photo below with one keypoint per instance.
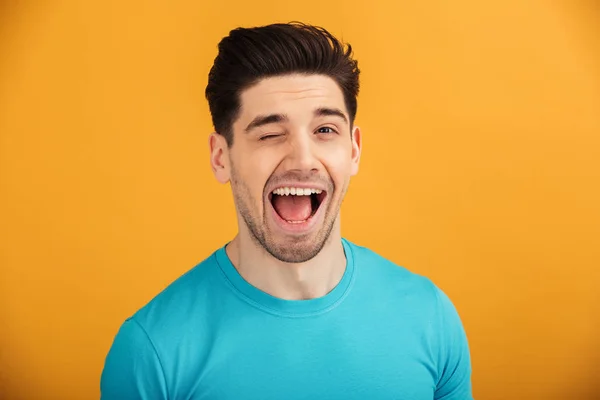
x,y
454,360
132,368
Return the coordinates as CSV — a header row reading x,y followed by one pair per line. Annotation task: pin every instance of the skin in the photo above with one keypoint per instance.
x,y
303,147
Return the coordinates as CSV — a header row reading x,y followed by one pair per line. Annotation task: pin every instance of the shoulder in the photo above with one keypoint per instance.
x,y
418,300
378,271
403,289
147,347
183,301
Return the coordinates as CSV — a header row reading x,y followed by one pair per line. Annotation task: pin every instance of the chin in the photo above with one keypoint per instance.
x,y
297,249
294,255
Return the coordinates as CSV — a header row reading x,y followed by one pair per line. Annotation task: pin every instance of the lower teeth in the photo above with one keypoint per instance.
x,y
295,222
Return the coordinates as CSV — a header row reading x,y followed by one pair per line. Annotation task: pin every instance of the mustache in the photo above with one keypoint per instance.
x,y
300,177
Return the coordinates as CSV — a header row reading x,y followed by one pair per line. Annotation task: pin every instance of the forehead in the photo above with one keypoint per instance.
x,y
292,95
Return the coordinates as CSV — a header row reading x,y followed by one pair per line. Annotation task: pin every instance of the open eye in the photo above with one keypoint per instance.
x,y
326,130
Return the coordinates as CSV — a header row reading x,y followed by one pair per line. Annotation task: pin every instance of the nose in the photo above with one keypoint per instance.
x,y
301,154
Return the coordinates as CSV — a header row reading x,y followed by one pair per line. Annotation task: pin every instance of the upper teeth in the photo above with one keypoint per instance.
x,y
286,191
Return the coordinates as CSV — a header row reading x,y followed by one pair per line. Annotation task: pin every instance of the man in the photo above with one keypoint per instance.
x,y
288,309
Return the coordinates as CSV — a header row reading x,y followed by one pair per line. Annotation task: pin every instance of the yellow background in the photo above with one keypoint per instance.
x,y
481,168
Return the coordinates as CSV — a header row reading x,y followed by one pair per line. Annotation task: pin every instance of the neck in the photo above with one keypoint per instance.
x,y
302,281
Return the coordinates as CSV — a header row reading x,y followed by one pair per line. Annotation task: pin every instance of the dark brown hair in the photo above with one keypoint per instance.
x,y
248,55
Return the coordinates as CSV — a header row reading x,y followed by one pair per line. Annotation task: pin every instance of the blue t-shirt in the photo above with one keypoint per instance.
x,y
382,333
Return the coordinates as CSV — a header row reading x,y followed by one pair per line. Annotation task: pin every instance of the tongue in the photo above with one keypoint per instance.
x,y
293,208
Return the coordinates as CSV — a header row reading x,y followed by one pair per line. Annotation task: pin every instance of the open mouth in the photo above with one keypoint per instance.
x,y
296,205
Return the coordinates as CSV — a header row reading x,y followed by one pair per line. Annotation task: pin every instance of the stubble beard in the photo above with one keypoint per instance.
x,y
292,250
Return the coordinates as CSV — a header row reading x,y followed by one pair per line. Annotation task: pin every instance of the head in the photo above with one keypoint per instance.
x,y
283,100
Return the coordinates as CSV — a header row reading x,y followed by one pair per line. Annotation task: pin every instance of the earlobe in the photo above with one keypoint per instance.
x,y
356,149
219,154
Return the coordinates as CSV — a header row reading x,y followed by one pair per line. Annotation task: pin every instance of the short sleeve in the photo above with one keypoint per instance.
x,y
454,359
132,368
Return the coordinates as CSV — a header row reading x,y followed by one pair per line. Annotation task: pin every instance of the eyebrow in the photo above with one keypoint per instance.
x,y
326,112
265,120
261,120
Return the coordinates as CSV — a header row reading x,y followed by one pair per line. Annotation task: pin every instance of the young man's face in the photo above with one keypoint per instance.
x,y
291,162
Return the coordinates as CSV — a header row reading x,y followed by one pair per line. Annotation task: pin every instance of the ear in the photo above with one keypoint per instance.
x,y
356,150
219,157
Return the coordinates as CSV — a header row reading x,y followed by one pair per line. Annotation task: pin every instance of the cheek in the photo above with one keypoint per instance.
x,y
255,170
339,165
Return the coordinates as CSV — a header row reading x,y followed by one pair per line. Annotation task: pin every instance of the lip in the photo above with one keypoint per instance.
x,y
302,227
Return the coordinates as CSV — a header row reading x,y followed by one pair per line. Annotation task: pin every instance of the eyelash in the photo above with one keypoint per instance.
x,y
271,136
266,137
327,127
